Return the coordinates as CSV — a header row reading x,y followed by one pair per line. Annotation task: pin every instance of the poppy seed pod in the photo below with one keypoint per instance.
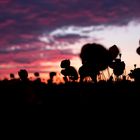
x,y
65,63
138,50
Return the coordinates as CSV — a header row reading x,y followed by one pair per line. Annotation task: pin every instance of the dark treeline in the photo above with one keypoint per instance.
x,y
76,88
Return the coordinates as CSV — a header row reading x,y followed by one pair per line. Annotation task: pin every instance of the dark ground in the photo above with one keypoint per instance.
x,y
17,92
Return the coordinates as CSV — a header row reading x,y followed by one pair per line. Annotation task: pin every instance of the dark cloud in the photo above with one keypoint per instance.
x,y
34,17
69,39
29,57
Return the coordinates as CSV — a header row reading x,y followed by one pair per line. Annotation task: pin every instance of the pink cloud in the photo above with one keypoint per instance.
x,y
23,21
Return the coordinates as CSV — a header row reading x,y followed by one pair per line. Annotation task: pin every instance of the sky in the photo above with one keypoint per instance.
x,y
37,34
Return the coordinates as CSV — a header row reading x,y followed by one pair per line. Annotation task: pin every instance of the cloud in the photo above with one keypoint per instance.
x,y
42,30
32,18
17,49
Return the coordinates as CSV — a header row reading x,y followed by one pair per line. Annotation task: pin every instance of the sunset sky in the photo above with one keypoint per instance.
x,y
38,34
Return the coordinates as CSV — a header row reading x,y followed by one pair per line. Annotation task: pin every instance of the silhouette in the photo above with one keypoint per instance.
x,y
96,58
86,70
135,74
12,76
23,74
118,66
113,52
138,49
69,72
37,75
52,74
25,87
110,80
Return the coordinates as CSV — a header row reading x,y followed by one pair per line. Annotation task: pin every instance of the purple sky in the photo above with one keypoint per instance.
x,y
38,34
